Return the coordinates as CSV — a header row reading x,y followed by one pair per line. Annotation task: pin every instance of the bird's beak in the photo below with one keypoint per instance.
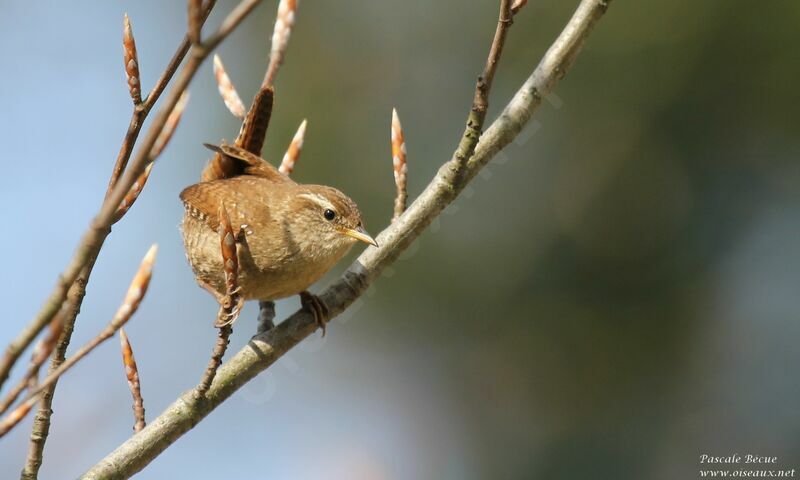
x,y
359,234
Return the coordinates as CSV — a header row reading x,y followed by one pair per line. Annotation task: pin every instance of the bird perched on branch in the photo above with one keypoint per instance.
x,y
287,235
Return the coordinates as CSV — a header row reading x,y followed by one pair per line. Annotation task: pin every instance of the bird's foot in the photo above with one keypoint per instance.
x,y
317,307
230,306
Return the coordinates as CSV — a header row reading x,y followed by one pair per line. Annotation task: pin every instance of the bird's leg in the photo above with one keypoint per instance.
x,y
266,313
317,307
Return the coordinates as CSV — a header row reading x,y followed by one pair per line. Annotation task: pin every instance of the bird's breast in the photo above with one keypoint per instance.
x,y
272,264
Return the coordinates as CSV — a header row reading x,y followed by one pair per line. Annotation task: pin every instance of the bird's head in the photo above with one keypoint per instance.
x,y
328,218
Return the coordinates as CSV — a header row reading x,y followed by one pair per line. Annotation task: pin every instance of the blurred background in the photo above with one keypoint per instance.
x,y
616,294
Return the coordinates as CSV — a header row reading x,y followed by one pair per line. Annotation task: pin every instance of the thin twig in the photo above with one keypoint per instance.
x,y
399,166
12,419
173,119
129,305
254,127
284,21
223,336
158,148
77,290
140,114
239,13
131,62
226,89
230,305
195,15
100,227
40,354
480,102
264,349
293,152
94,237
41,420
132,374
134,192
76,293
133,298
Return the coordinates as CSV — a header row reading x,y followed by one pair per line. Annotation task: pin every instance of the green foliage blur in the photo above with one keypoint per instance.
x,y
618,294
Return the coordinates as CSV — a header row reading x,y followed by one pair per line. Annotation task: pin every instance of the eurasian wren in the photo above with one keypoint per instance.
x,y
289,234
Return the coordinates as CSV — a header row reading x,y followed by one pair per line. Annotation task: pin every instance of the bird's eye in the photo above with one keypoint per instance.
x,y
329,214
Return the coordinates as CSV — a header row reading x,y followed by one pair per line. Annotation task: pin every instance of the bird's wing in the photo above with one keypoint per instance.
x,y
203,201
253,164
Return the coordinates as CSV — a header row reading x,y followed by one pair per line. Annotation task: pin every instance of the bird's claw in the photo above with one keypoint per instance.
x,y
230,306
317,307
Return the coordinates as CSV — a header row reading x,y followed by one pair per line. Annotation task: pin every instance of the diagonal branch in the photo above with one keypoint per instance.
x,y
71,285
130,304
82,262
163,139
40,354
265,348
100,227
41,421
77,291
140,113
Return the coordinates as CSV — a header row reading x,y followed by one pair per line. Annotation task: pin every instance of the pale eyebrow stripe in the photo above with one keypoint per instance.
x,y
319,200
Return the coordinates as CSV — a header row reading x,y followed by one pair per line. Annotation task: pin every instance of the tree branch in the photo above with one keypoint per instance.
x,y
41,353
129,306
41,421
100,227
139,114
77,273
77,291
480,103
265,348
551,69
